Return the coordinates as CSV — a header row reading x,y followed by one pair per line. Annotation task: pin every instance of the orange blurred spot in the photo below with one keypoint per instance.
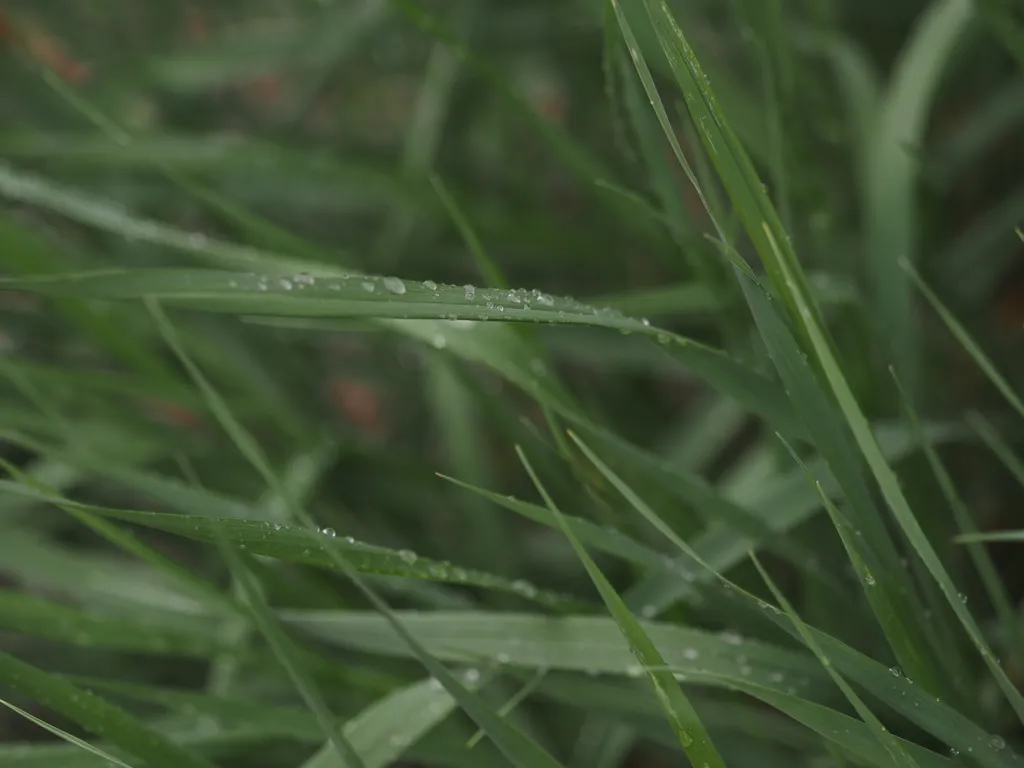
x,y
175,414
265,90
46,49
196,26
360,404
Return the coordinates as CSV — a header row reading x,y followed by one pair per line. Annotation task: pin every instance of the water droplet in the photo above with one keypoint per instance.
x,y
395,285
646,322
285,283
430,285
470,291
408,556
634,670
691,654
544,299
502,658
963,598
524,588
776,677
685,738
304,278
328,532
369,287
649,611
869,580
439,341
471,676
953,751
997,742
895,672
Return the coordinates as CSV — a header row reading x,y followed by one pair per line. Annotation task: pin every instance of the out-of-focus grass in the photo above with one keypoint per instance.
x,y
290,289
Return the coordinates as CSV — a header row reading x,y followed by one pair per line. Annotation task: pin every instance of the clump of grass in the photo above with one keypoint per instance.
x,y
535,386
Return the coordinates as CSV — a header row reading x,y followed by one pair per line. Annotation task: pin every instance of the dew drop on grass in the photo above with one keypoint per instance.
x,y
649,611
368,287
869,580
524,588
731,638
285,283
895,672
997,742
439,341
430,285
328,532
395,285
691,654
470,292
471,676
543,298
502,658
408,556
304,278
634,670
963,598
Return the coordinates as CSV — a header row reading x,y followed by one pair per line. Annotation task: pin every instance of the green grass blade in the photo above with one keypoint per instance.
x,y
961,334
891,175
294,544
998,445
896,754
287,655
97,715
64,735
386,729
693,737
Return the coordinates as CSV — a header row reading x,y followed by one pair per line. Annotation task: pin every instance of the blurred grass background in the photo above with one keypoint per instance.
x,y
484,145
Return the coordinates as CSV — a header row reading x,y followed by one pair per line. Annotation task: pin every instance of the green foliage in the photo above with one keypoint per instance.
x,y
750,324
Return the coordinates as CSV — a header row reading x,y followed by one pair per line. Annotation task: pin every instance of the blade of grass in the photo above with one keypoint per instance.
x,y
961,335
998,445
892,172
693,737
64,735
97,715
886,739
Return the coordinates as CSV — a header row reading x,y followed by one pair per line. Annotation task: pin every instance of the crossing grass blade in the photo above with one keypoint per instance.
x,y
516,746
997,444
960,333
96,715
685,722
286,653
896,753
69,738
913,701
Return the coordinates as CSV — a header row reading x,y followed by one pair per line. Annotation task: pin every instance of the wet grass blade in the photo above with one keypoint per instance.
x,y
97,715
65,736
888,742
287,655
693,737
386,729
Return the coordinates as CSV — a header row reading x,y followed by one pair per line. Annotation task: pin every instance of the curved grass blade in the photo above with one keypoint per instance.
x,y
69,738
692,735
493,345
891,175
998,445
297,544
97,716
